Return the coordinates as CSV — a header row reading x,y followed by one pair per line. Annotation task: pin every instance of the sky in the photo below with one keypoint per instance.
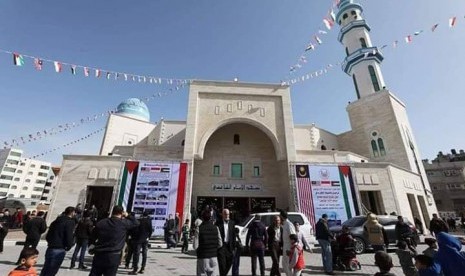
x,y
254,41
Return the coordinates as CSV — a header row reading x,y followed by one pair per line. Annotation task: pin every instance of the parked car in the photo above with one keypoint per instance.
x,y
355,225
267,218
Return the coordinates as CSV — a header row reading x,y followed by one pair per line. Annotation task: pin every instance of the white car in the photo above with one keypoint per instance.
x,y
266,218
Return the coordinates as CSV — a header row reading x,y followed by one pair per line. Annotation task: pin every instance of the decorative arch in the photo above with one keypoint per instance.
x,y
206,136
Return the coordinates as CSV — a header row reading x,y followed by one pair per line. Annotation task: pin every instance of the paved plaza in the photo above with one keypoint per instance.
x,y
172,262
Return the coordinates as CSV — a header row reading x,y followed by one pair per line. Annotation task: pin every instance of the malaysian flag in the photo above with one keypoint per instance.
x,y
304,193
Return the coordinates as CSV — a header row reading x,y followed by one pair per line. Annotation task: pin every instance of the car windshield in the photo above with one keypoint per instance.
x,y
245,221
354,222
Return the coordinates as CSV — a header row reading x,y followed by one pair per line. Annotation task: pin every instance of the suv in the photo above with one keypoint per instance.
x,y
266,218
355,225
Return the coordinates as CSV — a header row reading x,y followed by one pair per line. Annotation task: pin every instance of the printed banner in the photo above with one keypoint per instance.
x,y
326,190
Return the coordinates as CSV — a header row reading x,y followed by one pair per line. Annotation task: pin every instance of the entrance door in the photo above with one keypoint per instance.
x,y
100,196
238,208
213,202
424,212
372,201
413,206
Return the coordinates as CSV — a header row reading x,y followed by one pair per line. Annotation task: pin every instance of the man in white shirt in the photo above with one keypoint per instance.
x,y
288,229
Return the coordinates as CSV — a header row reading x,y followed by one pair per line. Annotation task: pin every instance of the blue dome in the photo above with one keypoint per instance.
x,y
134,108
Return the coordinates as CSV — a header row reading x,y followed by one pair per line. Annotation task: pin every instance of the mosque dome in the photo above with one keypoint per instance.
x,y
134,108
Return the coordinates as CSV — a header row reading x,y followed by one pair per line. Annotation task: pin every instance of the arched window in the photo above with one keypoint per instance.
x,y
237,139
374,147
182,143
347,51
363,42
374,79
356,86
323,147
353,12
14,187
382,149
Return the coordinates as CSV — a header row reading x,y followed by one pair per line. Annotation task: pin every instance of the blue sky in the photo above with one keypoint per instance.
x,y
255,41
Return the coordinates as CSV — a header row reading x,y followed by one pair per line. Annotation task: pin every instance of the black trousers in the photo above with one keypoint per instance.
x,y
129,253
138,247
3,233
105,264
275,251
225,258
260,254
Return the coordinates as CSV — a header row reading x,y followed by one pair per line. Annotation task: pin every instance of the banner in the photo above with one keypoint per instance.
x,y
326,190
154,187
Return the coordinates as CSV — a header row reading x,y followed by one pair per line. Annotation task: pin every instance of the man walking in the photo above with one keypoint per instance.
x,y
256,239
33,230
324,237
375,233
288,229
437,225
60,239
140,242
207,241
109,236
82,234
225,253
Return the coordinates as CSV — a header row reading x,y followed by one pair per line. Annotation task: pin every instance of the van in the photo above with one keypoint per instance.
x,y
266,218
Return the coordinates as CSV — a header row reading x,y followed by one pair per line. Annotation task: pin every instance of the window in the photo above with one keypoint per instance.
x,y
363,42
43,167
256,171
438,202
22,196
35,197
42,174
236,170
345,16
353,13
37,189
374,79
323,147
6,177
16,179
25,188
13,162
33,166
22,164
7,169
52,177
182,143
382,150
374,147
4,186
14,153
216,170
30,173
14,187
3,194
296,218
40,181
356,86
11,195
237,139
19,171
347,51
28,180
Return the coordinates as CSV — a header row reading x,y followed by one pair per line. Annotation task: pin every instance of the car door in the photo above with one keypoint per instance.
x,y
390,228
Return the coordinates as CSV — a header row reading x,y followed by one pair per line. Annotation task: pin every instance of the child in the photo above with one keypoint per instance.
x,y
296,256
406,259
28,258
384,262
432,247
185,236
426,266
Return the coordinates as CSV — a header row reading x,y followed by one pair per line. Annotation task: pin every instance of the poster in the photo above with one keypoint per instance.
x,y
326,190
157,188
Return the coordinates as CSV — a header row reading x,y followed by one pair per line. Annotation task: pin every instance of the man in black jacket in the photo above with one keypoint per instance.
x,y
82,234
33,229
207,240
60,239
324,237
140,242
225,253
108,238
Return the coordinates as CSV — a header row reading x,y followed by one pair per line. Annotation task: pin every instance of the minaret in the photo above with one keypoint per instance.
x,y
363,59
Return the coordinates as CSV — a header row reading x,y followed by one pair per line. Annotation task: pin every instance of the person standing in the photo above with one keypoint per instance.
x,y
275,232
82,234
4,226
94,214
225,253
140,243
33,230
60,238
256,239
207,241
170,232
177,227
239,246
18,218
418,225
324,237
375,233
288,229
437,225
185,236
108,238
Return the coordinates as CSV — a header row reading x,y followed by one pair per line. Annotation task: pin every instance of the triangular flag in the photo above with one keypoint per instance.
x,y
332,14
310,47
97,73
418,32
434,27
452,21
86,71
318,40
328,23
18,59
108,75
408,39
73,69
38,63
57,66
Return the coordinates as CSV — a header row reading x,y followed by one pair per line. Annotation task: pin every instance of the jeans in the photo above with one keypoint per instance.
x,y
137,250
105,264
260,254
236,262
206,266
326,255
53,260
81,245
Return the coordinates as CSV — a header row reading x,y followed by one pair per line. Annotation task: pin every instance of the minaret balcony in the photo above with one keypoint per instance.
x,y
345,6
362,54
352,25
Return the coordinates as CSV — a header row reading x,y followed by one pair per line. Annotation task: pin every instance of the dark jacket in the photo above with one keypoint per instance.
x,y
231,234
35,228
449,256
272,233
438,225
257,237
84,229
5,223
208,240
144,231
402,231
109,235
322,231
60,235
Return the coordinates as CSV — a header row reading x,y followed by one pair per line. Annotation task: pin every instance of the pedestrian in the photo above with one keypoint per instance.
x,y
324,237
94,214
238,248
60,238
28,259
432,247
79,212
384,262
426,266
437,225
170,232
107,240
275,245
207,241
288,229
404,233
185,236
225,253
34,230
418,225
8,218
82,234
130,245
4,226
449,256
177,228
304,244
451,223
140,242
296,256
375,233
256,240
18,218
406,259
26,218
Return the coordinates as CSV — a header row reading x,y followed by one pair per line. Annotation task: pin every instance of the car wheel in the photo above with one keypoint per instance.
x,y
359,245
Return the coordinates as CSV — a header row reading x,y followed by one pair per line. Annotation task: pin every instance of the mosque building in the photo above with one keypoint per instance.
x,y
239,148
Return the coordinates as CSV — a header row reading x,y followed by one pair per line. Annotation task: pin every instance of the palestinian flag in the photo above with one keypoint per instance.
x,y
57,66
18,59
97,73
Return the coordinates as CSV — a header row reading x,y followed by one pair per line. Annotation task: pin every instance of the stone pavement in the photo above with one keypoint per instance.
x,y
172,262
